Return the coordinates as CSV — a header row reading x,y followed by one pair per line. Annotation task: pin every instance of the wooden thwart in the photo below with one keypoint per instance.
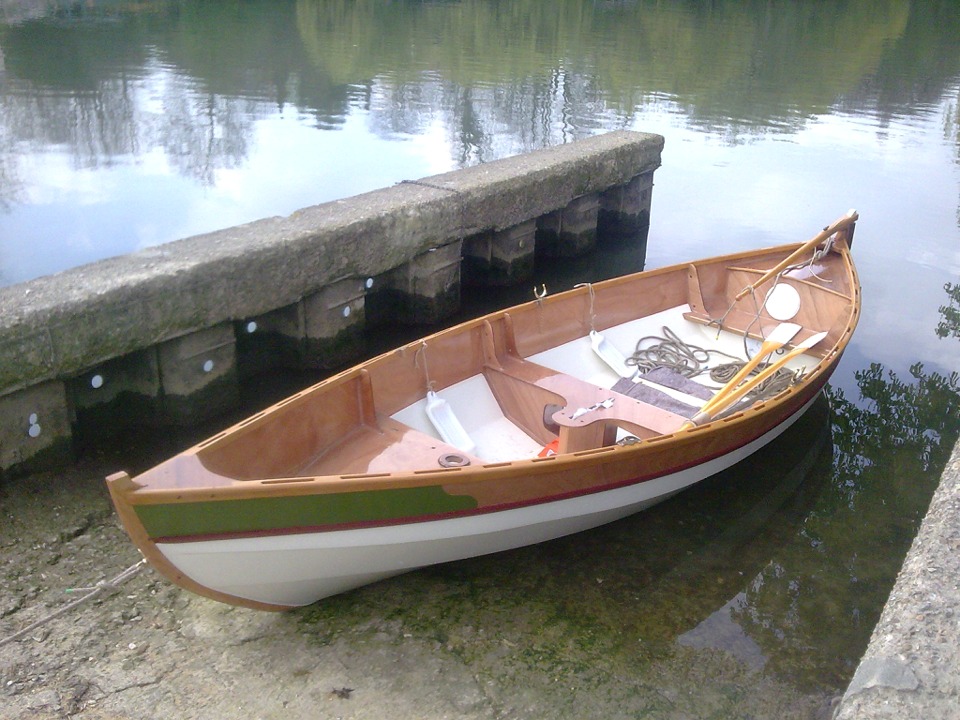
x,y
842,224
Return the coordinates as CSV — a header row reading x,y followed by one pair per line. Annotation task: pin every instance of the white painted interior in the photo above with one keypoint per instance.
x,y
471,401
471,405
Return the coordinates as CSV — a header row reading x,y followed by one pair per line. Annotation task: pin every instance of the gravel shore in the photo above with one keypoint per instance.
x,y
584,627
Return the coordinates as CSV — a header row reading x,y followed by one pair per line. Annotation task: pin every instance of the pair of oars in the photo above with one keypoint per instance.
x,y
734,390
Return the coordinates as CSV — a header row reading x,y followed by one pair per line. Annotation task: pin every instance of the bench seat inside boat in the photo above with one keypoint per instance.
x,y
502,409
497,439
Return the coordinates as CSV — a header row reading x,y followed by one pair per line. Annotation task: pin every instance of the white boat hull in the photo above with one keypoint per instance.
x,y
293,570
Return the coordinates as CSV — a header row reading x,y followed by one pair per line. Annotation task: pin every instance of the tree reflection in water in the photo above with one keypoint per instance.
x,y
818,600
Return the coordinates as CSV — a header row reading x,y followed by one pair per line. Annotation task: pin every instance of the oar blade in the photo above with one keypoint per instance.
x,y
711,410
814,339
783,333
780,336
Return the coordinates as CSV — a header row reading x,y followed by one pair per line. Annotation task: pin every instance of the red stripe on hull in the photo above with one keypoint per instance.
x,y
799,401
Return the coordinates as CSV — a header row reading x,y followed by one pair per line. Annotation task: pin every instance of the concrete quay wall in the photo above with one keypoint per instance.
x,y
911,669
161,333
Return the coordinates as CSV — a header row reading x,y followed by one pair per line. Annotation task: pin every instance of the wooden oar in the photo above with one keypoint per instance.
x,y
848,219
781,335
704,415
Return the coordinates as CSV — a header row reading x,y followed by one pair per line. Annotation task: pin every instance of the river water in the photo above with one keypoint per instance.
x,y
125,124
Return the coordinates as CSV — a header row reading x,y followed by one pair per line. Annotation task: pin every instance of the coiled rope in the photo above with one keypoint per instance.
x,y
689,360
669,351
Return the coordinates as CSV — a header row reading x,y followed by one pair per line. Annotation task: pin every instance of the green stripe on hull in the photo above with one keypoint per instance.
x,y
267,514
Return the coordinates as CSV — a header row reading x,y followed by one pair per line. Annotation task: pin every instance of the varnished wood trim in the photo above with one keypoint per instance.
x,y
120,486
368,409
694,291
490,358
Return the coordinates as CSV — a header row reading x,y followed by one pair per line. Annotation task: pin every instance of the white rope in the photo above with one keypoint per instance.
x,y
422,352
593,317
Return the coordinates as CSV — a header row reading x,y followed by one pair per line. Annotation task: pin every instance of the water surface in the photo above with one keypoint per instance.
x,y
128,124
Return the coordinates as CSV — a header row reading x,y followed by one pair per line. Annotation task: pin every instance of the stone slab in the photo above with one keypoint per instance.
x,y
507,192
34,428
333,324
625,210
911,669
500,257
198,374
427,289
269,341
61,325
121,393
570,231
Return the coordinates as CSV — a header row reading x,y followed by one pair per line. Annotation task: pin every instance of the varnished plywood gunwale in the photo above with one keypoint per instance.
x,y
396,379
529,479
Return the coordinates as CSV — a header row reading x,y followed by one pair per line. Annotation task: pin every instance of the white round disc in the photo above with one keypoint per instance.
x,y
783,302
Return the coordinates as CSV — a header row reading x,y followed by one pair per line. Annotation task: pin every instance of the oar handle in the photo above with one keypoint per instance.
x,y
732,382
706,413
849,219
781,335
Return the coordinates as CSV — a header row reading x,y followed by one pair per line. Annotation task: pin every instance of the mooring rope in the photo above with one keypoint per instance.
x,y
107,586
592,319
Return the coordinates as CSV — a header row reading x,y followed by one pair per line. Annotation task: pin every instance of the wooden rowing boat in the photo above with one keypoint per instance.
x,y
511,429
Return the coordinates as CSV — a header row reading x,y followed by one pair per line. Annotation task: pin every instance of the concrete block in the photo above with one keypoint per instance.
x,y
427,289
379,303
59,326
198,374
333,323
571,231
625,209
270,341
116,395
513,190
503,257
34,429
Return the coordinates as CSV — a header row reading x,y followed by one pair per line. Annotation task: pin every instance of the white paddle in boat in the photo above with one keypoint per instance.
x,y
605,350
445,421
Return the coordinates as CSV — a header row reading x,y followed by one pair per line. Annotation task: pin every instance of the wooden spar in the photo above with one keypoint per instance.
x,y
783,334
847,220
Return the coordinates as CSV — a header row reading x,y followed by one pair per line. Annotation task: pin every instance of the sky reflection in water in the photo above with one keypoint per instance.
x,y
125,125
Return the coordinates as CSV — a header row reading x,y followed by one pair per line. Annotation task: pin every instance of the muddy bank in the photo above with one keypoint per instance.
x,y
598,625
